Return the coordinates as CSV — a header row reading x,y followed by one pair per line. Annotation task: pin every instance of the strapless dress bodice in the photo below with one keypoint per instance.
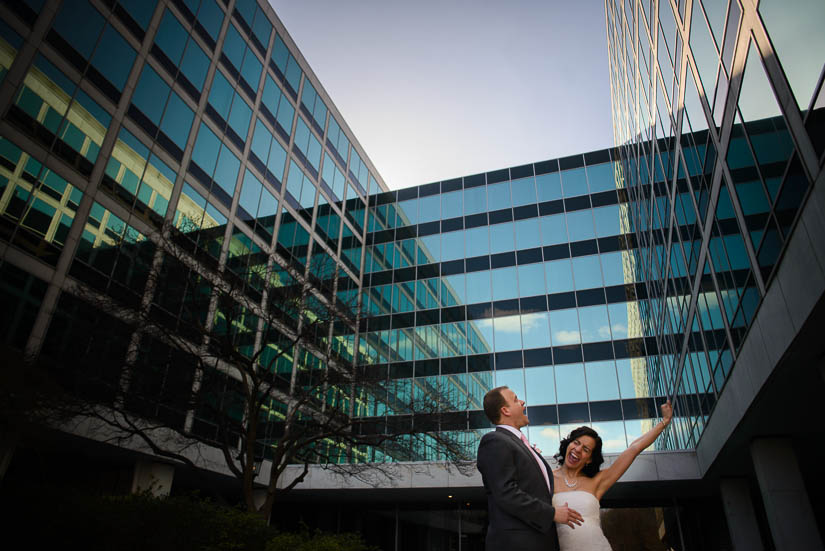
x,y
588,536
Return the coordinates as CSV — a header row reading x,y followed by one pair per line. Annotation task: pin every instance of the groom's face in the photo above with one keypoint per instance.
x,y
514,411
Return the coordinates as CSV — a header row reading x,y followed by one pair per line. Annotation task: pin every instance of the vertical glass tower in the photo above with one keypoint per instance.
x,y
718,115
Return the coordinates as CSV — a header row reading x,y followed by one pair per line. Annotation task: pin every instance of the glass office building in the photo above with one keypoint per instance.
x,y
717,110
595,285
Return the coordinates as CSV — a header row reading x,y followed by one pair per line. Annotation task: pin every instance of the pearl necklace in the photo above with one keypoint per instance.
x,y
568,483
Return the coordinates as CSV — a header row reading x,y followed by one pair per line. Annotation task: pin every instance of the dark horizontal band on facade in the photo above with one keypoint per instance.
x,y
629,409
496,176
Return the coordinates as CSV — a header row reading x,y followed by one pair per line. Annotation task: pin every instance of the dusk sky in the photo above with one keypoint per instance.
x,y
438,89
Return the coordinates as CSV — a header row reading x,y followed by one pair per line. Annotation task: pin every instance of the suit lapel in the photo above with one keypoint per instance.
x,y
531,455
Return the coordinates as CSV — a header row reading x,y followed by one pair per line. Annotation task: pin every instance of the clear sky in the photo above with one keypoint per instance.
x,y
435,89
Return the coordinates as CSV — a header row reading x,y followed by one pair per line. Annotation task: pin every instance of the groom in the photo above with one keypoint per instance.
x,y
518,482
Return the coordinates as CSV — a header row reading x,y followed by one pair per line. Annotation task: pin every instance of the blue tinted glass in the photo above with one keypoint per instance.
x,y
478,241
114,57
262,28
498,195
507,332
408,212
234,46
226,172
240,117
429,249
211,17
527,233
564,325
451,205
512,378
600,177
613,269
602,383
553,229
452,245
140,10
195,64
619,319
150,94
531,280
250,193
478,287
559,276
277,160
570,383
261,139
523,191
220,96
503,287
252,70
574,182
80,25
454,286
587,272
429,208
541,388
608,220
549,186
501,238
633,378
535,330
206,148
475,200
178,120
171,37
580,225
594,323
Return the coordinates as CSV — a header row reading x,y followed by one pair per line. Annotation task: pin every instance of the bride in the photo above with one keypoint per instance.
x,y
580,484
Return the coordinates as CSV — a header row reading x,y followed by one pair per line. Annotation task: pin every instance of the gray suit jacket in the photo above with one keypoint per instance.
x,y
518,502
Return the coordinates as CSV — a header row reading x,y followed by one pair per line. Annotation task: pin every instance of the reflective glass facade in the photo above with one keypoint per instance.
x,y
718,116
524,277
125,119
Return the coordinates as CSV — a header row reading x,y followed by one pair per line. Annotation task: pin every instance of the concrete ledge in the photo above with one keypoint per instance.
x,y
655,466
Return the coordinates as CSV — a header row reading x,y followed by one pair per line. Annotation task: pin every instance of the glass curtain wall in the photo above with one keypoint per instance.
x,y
716,169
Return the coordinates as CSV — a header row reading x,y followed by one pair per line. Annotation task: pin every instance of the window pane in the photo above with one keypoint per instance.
x,y
503,287
507,333
541,386
553,229
594,324
587,272
549,186
570,383
501,238
580,225
600,177
601,381
531,280
527,234
565,327
535,330
478,241
574,182
559,275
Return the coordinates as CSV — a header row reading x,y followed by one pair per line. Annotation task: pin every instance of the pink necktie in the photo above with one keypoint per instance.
x,y
538,460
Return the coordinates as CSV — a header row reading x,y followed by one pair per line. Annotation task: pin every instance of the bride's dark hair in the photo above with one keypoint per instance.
x,y
596,458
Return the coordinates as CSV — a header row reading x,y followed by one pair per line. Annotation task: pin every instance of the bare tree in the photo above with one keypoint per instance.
x,y
251,356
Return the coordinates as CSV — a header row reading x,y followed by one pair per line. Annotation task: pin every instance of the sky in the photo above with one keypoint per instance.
x,y
437,89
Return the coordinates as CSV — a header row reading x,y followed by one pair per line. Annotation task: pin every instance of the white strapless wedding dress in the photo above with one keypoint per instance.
x,y
588,536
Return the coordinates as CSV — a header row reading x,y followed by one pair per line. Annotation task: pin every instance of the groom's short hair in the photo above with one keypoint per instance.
x,y
493,402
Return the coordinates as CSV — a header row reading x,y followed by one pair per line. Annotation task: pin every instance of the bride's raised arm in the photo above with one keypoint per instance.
x,y
606,478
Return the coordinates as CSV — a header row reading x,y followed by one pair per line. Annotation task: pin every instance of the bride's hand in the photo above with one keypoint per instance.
x,y
667,412
568,516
